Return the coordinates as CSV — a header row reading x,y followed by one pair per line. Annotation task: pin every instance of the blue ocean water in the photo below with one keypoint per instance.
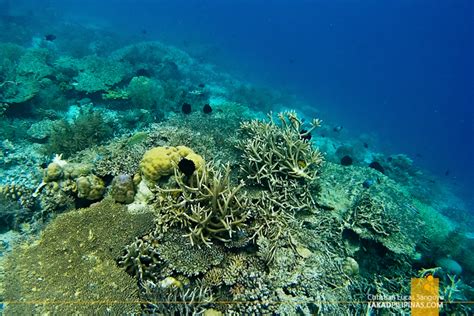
x,y
402,70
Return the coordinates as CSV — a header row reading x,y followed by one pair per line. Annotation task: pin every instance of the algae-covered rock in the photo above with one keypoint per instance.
x,y
71,269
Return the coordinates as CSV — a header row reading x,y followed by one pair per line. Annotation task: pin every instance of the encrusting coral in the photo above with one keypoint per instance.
x,y
74,261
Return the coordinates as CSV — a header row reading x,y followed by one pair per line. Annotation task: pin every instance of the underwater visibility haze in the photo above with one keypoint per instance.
x,y
236,157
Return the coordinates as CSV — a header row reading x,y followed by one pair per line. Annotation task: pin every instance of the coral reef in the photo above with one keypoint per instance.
x,y
209,206
98,74
226,212
145,93
88,129
162,161
90,187
275,153
76,263
122,189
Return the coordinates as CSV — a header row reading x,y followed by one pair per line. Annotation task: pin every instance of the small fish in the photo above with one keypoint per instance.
x,y
368,183
304,135
337,129
196,92
447,172
366,145
207,108
50,37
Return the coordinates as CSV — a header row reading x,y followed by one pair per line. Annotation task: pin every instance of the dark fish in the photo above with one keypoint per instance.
x,y
337,129
366,145
377,166
143,72
346,161
447,172
186,108
368,183
144,32
207,109
50,37
305,135
186,166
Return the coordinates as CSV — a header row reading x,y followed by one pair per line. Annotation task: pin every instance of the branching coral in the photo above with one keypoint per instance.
x,y
279,157
207,205
141,259
276,152
191,300
89,128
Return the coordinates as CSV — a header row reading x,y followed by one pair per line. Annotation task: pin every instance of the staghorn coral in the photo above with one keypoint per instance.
x,y
275,152
207,205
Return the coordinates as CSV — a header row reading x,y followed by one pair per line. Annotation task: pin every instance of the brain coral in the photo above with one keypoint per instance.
x,y
161,161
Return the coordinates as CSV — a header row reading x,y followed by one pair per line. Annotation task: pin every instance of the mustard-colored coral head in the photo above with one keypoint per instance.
x,y
161,161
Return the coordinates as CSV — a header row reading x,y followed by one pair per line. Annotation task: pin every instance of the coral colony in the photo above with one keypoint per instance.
x,y
131,184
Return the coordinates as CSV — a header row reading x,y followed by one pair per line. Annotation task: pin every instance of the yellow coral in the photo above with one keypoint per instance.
x,y
53,172
161,161
90,187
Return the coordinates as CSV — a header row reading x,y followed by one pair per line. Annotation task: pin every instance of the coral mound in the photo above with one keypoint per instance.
x,y
161,161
